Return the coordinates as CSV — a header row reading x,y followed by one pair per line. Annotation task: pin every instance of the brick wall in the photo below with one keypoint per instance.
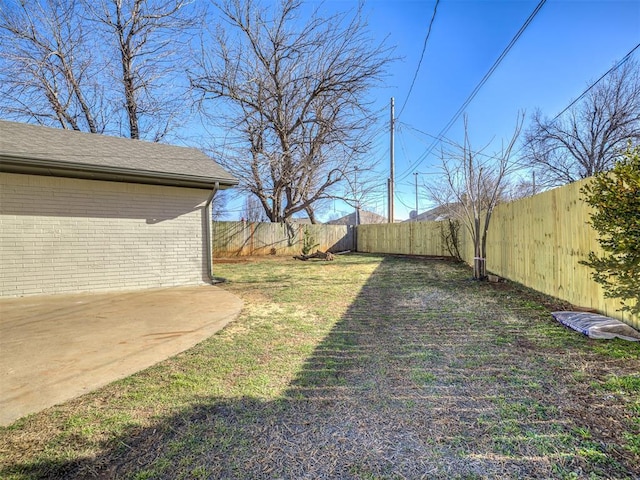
x,y
67,235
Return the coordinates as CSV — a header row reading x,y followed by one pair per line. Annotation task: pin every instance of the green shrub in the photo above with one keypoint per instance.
x,y
308,242
615,196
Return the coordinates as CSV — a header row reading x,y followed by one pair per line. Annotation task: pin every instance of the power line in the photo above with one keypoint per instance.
x,y
424,47
521,164
444,139
475,91
404,204
615,67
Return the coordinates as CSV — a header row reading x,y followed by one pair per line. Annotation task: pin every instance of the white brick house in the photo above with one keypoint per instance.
x,y
85,212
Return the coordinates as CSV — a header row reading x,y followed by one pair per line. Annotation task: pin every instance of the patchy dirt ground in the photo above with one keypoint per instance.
x,y
424,374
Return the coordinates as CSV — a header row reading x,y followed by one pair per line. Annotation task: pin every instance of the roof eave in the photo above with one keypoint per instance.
x,y
11,164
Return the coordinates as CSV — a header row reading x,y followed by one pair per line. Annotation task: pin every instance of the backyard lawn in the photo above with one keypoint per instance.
x,y
367,367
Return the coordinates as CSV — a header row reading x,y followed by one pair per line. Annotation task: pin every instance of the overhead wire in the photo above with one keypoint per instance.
x,y
579,97
520,164
442,138
397,197
424,48
475,91
615,67
446,140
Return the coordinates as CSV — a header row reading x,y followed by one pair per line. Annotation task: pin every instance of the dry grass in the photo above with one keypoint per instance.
x,y
363,368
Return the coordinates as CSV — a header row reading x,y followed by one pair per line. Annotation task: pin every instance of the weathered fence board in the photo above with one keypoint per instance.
x,y
248,238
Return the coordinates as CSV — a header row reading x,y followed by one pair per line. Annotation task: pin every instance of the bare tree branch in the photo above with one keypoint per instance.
x,y
296,92
96,65
47,72
146,37
471,186
592,135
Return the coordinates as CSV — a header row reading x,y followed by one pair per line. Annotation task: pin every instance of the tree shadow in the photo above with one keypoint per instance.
x,y
427,375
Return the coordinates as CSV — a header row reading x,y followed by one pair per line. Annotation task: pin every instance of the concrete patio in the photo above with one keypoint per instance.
x,y
54,348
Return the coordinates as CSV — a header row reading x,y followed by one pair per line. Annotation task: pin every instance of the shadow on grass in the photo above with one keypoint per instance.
x,y
427,375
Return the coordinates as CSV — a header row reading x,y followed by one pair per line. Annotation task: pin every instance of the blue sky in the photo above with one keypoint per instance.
x,y
569,44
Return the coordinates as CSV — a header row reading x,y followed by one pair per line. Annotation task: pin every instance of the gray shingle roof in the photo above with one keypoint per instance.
x,y
366,217
441,212
32,148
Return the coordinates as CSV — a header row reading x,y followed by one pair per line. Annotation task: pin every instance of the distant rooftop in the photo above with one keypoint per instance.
x,y
441,212
366,217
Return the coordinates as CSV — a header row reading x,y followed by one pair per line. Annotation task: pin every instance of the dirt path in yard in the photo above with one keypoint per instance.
x,y
428,375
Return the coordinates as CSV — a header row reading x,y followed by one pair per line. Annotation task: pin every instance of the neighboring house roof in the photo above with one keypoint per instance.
x,y
300,221
366,217
440,212
41,150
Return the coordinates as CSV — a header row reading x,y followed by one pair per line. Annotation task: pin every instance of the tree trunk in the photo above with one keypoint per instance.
x,y
311,214
479,265
129,93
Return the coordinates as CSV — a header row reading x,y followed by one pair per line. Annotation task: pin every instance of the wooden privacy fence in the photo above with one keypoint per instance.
x,y
247,238
537,241
407,238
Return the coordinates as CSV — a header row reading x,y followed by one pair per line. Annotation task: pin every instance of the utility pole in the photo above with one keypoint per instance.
x,y
385,203
355,191
415,174
392,163
534,182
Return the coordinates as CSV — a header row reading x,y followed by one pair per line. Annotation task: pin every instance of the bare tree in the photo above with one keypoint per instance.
x,y
47,74
520,187
252,211
359,189
472,184
590,136
294,94
151,41
96,65
219,204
